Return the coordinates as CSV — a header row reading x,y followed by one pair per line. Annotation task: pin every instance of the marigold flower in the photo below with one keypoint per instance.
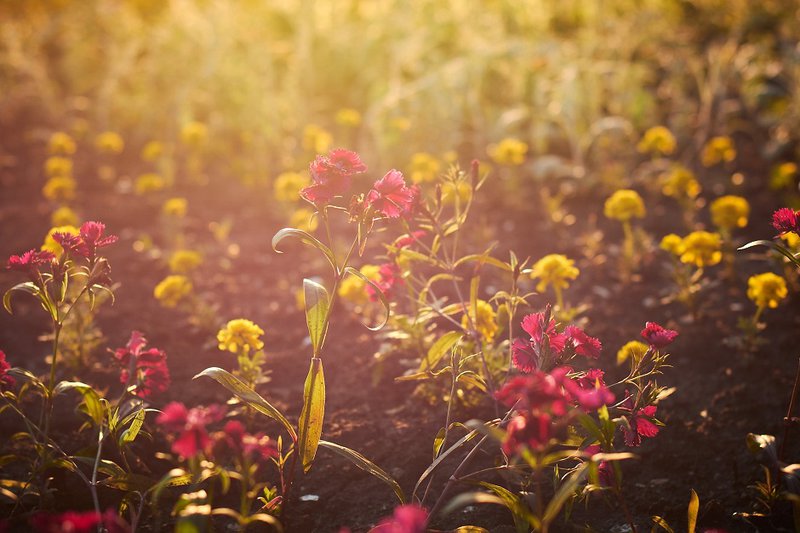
x,y
60,188
673,244
347,117
624,205
509,151
184,261
6,381
728,212
152,151
190,425
702,249
150,371
783,175
680,183
785,220
58,166
175,207
288,184
240,336
484,321
555,270
149,182
766,290
718,150
792,240
172,290
632,350
409,518
50,242
424,167
194,134
331,176
658,140
304,219
64,216
61,143
390,196
658,336
109,142
316,139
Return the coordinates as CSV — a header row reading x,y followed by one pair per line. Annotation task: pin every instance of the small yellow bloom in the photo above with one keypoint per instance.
x,y
194,134
348,117
509,151
702,249
175,207
728,212
240,335
172,290
766,290
61,144
184,261
791,239
304,219
58,166
424,167
59,188
624,205
673,244
316,139
152,151
64,216
632,349
680,183
460,190
555,270
658,140
717,150
150,182
109,142
783,175
50,244
354,289
485,322
287,186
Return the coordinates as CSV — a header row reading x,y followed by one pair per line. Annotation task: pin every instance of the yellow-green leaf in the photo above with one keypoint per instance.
x,y
317,304
313,413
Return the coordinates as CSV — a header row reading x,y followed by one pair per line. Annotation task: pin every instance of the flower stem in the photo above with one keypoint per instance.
x,y
787,421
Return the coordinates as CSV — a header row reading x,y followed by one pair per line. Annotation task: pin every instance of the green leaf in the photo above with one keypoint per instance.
x,y
378,292
317,304
129,482
694,508
483,258
247,395
564,492
366,465
442,345
129,435
775,246
523,517
313,413
438,441
91,400
30,288
660,522
308,239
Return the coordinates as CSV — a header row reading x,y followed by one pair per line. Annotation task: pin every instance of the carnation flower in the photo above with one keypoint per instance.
x,y
388,281
766,290
190,426
149,367
331,176
589,391
233,437
6,381
657,336
785,220
534,430
30,262
534,326
79,522
639,423
409,518
582,343
390,196
240,336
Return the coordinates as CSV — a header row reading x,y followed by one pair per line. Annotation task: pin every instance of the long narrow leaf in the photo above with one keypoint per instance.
x,y
313,413
366,465
439,349
317,303
308,239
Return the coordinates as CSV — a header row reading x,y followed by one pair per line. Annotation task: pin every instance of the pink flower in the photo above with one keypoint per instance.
x,y
151,374
536,391
86,243
389,281
331,176
533,325
604,472
390,196
582,343
6,381
191,425
533,430
233,437
407,518
657,336
589,391
407,240
79,522
523,356
640,423
30,262
785,220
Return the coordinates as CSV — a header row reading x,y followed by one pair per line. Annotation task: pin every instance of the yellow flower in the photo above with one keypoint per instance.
x,y
348,117
354,289
109,142
766,290
555,270
316,139
61,144
400,123
240,335
50,244
184,261
728,212
509,151
304,219
194,134
64,216
624,205
149,182
680,183
152,151
658,140
717,150
287,186
783,175
485,323
175,207
702,249
632,349
424,167
59,188
673,244
452,190
791,239
58,166
172,290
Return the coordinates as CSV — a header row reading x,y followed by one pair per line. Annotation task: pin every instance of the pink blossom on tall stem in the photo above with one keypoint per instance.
x,y
590,391
582,343
389,280
409,518
79,522
658,336
639,422
6,381
390,196
331,176
785,220
30,262
534,326
150,371
190,424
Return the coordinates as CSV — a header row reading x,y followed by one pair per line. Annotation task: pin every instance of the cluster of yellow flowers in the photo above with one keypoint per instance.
x,y
60,185
728,212
424,167
348,117
109,142
304,219
555,270
149,182
240,336
288,184
509,151
175,207
766,290
172,290
316,139
699,248
194,134
658,140
483,318
718,150
680,183
184,261
50,244
632,350
624,205
453,191
152,151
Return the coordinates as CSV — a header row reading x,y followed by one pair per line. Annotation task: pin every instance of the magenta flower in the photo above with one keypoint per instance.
x,y
589,391
190,425
389,280
536,391
533,430
331,176
149,367
407,518
658,336
604,471
785,220
408,239
79,522
30,262
523,356
533,325
6,381
640,423
390,196
233,437
582,343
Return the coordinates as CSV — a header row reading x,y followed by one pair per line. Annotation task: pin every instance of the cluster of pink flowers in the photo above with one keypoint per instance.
x,y
786,220
390,279
31,262
79,522
639,422
6,381
545,340
233,438
88,240
190,426
145,370
407,518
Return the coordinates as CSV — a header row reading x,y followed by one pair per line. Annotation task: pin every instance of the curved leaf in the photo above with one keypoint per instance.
x,y
378,292
481,259
247,395
317,304
523,517
306,238
694,508
366,465
94,407
442,345
313,413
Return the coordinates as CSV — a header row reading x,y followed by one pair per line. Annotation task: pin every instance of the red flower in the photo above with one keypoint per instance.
x,y
407,518
589,391
785,220
657,336
30,261
523,356
582,343
408,239
390,196
389,280
233,437
533,430
533,325
604,472
191,424
151,374
6,381
79,522
640,423
537,391
331,175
